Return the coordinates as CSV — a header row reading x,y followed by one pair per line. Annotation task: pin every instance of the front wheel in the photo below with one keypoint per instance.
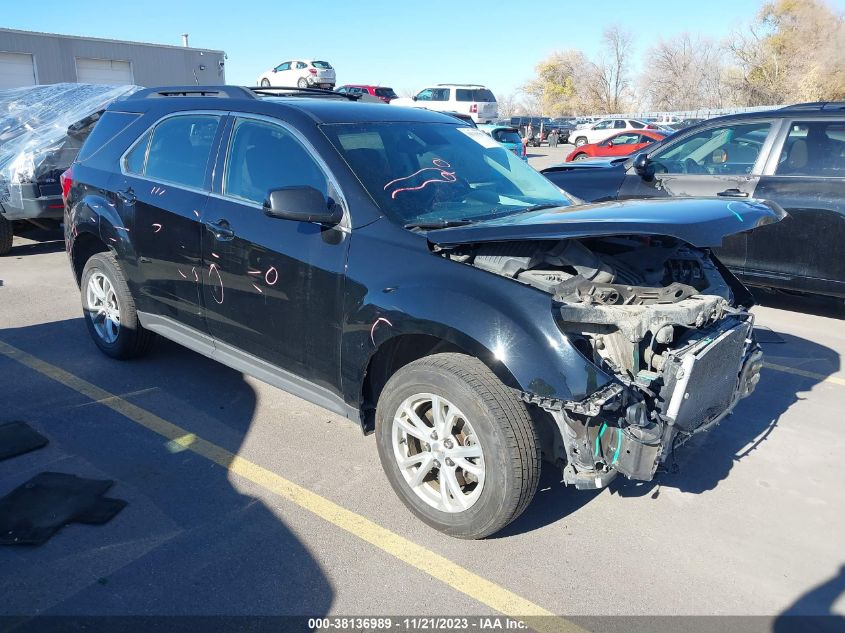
x,y
457,445
581,140
580,156
110,310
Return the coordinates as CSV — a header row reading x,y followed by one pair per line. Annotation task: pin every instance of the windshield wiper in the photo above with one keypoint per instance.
x,y
436,224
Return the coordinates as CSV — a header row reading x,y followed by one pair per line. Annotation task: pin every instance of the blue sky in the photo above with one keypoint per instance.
x,y
401,43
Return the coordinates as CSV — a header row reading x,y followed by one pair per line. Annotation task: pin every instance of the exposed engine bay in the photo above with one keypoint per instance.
x,y
657,314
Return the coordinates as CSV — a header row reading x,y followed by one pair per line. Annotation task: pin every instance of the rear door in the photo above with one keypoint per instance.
x,y
273,286
165,176
806,176
723,160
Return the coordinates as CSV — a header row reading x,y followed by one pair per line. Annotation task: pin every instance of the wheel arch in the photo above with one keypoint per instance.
x,y
403,348
84,246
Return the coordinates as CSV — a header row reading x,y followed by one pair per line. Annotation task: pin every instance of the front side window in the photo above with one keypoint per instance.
x,y
425,95
421,172
180,149
725,150
814,148
265,156
284,66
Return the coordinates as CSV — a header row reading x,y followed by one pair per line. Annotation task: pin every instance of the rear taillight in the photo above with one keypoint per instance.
x,y
474,108
66,181
313,71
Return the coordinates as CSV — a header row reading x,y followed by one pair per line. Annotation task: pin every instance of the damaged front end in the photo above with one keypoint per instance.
x,y
661,316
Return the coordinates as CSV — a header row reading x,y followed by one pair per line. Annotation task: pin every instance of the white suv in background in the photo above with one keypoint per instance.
x,y
472,99
303,73
600,130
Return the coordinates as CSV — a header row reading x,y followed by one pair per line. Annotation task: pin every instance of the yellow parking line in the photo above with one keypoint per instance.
x,y
484,591
806,374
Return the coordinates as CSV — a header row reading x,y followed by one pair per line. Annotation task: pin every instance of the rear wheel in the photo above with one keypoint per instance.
x,y
6,235
302,82
458,447
110,310
581,140
265,83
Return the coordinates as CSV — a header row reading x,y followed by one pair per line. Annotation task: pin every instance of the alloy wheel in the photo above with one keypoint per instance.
x,y
103,307
438,453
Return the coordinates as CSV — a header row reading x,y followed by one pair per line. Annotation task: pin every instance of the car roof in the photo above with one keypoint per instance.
x,y
320,106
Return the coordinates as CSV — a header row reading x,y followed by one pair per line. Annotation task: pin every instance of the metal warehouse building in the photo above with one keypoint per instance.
x,y
28,58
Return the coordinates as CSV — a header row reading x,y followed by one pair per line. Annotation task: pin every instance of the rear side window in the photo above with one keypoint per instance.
x,y
322,65
180,149
110,125
264,156
474,94
814,148
135,159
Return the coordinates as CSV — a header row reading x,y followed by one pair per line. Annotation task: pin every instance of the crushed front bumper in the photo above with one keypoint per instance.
x,y
629,429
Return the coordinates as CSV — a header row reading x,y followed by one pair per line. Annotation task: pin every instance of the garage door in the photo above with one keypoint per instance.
x,y
16,70
103,71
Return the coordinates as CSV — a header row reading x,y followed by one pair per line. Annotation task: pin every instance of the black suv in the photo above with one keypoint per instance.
x,y
794,156
402,269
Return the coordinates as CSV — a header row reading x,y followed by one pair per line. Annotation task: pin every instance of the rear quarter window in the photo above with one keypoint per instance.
x,y
110,125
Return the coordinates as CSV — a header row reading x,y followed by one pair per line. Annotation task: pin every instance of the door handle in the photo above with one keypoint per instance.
x,y
126,196
221,229
733,193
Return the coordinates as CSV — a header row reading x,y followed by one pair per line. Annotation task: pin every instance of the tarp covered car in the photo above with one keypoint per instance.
x,y
41,131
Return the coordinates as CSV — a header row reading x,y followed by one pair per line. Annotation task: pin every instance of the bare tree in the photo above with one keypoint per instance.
x,y
610,75
509,105
684,73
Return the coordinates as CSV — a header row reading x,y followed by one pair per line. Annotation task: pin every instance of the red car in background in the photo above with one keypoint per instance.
x,y
381,92
621,144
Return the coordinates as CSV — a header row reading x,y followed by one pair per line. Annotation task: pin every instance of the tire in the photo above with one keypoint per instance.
x,y
129,339
265,83
581,140
491,426
7,234
302,82
580,156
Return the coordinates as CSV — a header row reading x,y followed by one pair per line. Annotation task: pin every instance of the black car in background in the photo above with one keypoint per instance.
x,y
794,156
405,270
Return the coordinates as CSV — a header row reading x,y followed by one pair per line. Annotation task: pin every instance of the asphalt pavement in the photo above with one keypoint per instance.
x,y
244,500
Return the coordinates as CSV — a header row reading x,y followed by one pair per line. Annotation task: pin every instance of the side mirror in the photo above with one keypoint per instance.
x,y
610,143
414,98
302,204
274,70
643,166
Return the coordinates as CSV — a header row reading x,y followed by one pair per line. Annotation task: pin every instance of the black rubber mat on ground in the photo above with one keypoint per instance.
x,y
33,512
17,438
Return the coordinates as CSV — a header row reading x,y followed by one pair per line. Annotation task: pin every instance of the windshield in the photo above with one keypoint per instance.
x,y
423,172
507,136
385,92
322,65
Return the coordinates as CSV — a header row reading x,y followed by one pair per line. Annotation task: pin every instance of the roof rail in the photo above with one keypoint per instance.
x,y
231,92
305,92
464,85
817,105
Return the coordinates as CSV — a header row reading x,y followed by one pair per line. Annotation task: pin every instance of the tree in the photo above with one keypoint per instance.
x,y
508,105
684,73
794,51
554,89
610,76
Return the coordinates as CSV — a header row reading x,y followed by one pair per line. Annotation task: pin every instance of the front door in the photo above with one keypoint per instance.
x,y
273,286
806,250
722,160
163,192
